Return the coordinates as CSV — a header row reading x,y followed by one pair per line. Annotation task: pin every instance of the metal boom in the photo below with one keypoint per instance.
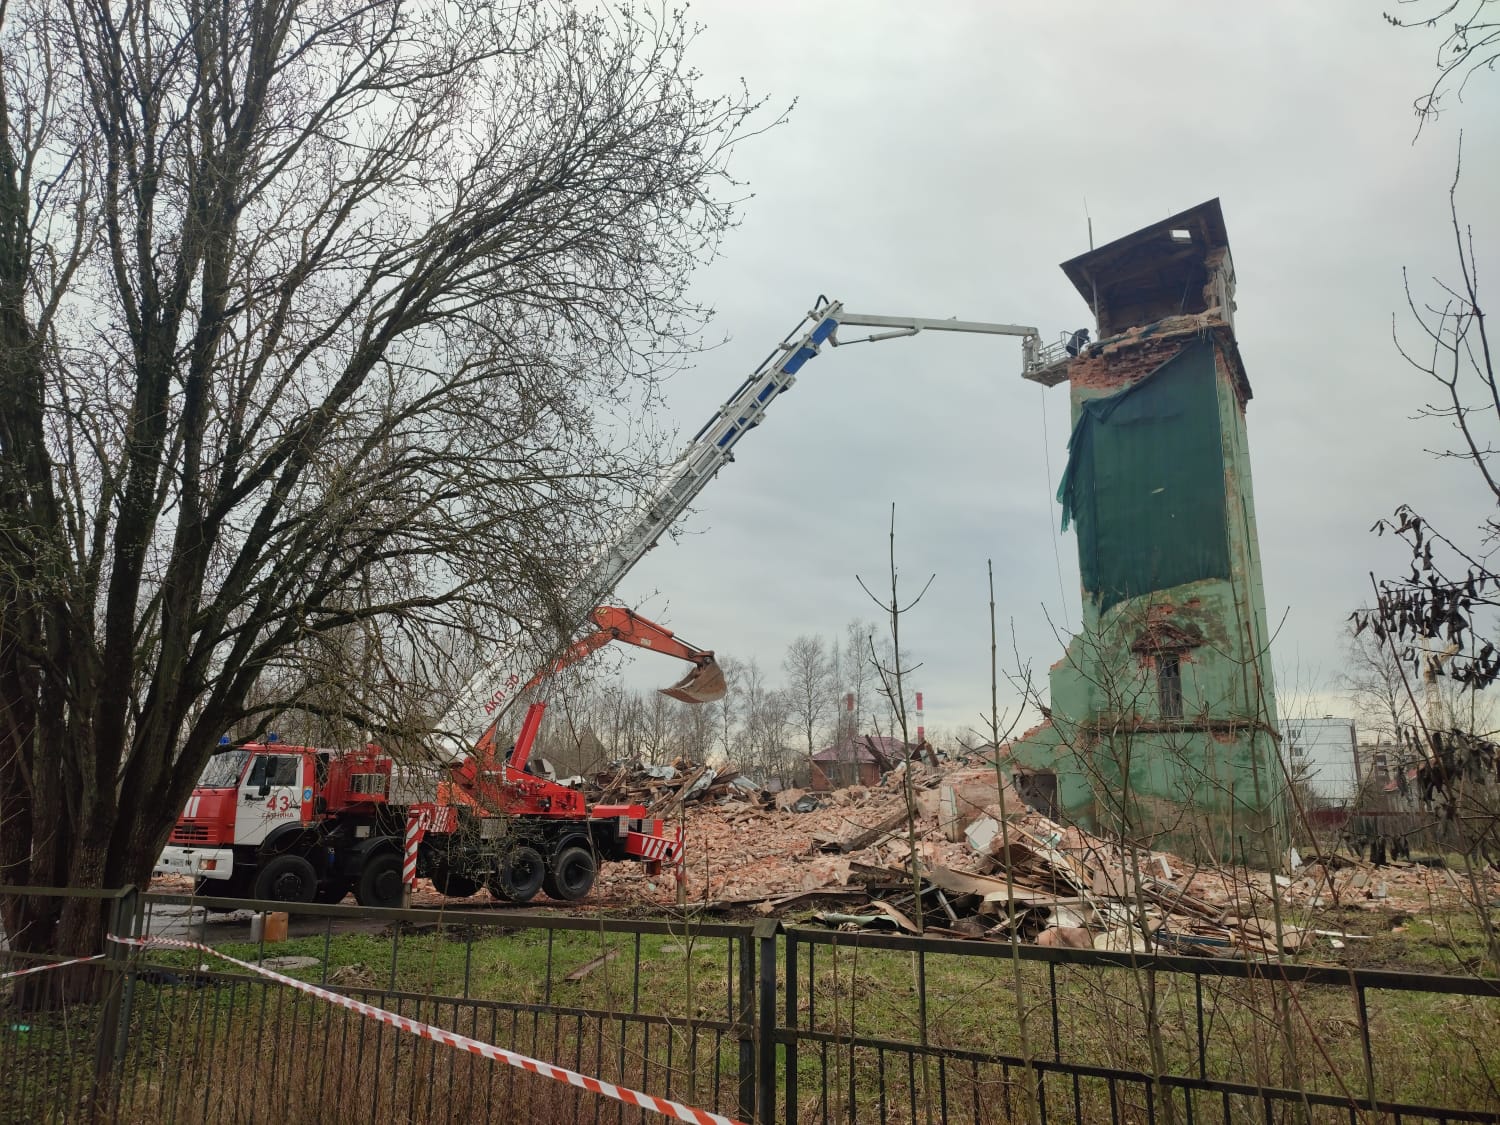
x,y
712,447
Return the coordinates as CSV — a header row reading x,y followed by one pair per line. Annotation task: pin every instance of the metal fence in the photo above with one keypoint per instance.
x,y
752,1021
910,1029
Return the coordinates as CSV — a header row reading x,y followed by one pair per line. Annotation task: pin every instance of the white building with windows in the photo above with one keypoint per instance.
x,y
1321,753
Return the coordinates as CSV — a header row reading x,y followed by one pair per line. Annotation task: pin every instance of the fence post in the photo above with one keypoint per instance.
x,y
745,1025
765,933
119,910
793,1099
127,924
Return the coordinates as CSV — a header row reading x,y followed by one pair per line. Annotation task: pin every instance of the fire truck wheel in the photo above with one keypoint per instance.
x,y
454,886
572,874
285,878
520,874
549,884
333,890
380,881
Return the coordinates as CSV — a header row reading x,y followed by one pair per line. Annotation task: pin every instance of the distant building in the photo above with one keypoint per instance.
x,y
1379,762
1323,755
855,760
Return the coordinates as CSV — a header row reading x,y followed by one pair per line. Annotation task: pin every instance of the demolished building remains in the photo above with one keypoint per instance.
x,y
1162,721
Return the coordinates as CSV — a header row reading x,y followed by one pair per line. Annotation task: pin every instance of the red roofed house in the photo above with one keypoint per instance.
x,y
855,760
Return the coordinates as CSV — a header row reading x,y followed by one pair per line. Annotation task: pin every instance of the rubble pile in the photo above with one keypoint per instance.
x,y
962,855
987,867
666,788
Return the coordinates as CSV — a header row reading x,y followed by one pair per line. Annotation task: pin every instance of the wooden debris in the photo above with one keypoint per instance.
x,y
1010,874
589,966
863,839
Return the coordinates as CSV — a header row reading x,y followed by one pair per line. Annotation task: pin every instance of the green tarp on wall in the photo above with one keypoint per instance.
x,y
1145,483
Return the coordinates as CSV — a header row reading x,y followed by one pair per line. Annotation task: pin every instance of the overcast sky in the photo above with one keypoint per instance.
x,y
937,164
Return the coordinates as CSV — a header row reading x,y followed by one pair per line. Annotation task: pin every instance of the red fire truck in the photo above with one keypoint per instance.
x,y
301,824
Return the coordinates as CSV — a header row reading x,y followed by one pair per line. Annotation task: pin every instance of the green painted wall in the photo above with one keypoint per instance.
x,y
1163,509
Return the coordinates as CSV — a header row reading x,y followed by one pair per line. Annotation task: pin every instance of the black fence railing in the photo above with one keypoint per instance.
x,y
895,1028
754,1022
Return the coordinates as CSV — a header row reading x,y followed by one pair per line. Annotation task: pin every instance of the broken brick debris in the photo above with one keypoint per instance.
x,y
665,789
966,858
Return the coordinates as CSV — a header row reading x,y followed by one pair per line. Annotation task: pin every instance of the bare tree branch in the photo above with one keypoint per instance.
x,y
315,323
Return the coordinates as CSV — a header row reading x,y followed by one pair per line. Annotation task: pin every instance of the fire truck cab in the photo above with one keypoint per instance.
x,y
258,813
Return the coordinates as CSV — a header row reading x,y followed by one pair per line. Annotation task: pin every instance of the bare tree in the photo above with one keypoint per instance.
x,y
1373,680
725,712
620,711
658,742
808,677
1469,43
1437,618
764,711
857,676
695,731
893,672
310,316
1450,593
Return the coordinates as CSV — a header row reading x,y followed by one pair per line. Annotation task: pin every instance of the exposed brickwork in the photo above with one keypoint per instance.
x,y
1116,362
1115,372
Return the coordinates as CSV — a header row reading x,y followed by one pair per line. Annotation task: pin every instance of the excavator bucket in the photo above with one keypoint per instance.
x,y
704,684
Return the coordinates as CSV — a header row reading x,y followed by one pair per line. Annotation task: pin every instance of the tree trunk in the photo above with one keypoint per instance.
x,y
64,926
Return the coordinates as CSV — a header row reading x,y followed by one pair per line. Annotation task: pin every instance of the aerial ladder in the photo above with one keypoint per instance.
x,y
491,692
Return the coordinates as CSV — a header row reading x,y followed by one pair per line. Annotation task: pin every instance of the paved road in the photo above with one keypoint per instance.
x,y
193,923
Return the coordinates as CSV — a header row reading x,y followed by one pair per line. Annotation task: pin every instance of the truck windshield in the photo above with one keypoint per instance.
x,y
223,770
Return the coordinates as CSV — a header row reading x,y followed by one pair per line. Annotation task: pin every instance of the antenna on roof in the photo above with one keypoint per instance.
x,y
1090,220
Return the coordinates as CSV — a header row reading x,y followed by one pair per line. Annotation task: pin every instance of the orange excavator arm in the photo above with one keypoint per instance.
x,y
704,684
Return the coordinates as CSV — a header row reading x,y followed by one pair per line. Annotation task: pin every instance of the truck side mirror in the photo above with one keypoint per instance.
x,y
265,788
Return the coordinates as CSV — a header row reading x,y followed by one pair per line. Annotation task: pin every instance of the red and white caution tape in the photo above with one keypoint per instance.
x,y
461,1042
51,965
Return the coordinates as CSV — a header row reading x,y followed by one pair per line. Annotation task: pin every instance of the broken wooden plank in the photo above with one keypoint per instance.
x,y
589,966
1177,900
998,901
964,883
861,840
669,802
